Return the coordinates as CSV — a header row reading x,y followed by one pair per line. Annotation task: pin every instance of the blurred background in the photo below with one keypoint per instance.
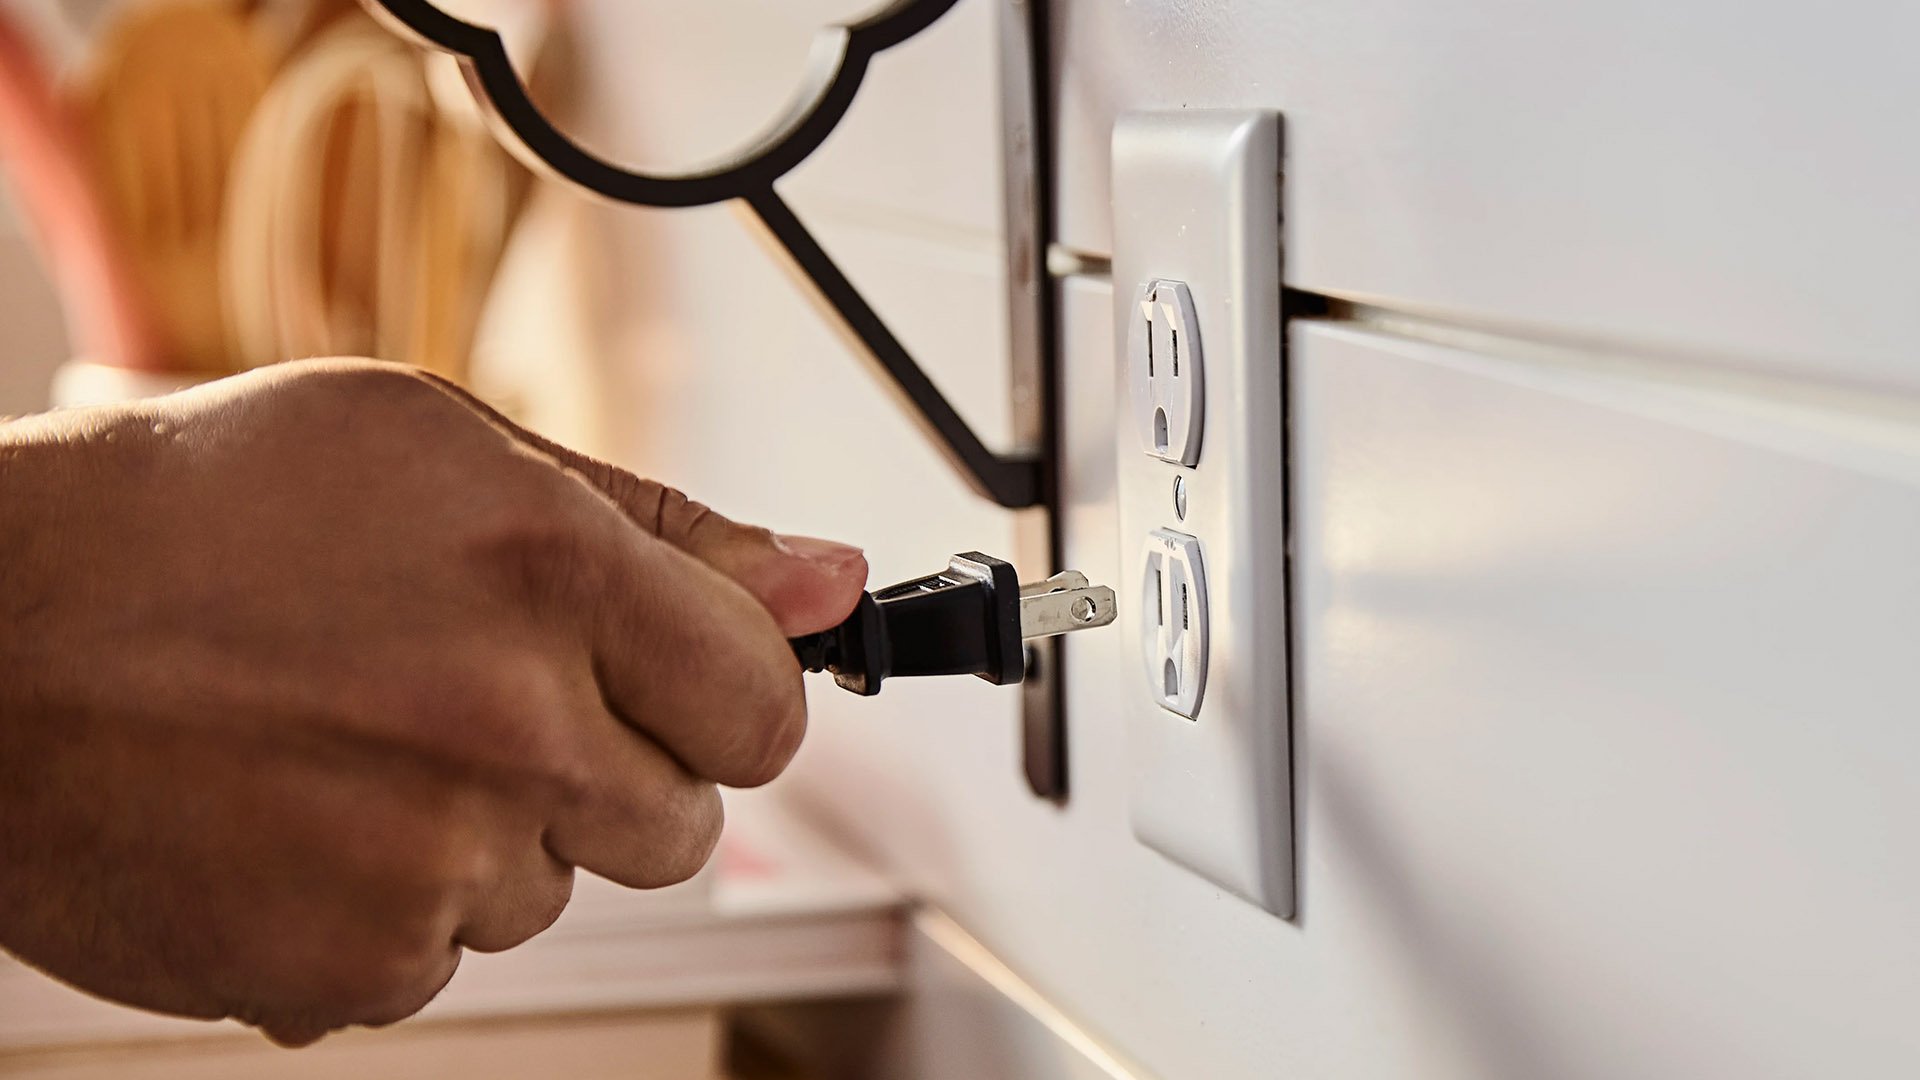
x,y
218,186
36,339
1604,489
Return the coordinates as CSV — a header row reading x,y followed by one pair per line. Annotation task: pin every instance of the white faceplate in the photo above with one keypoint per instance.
x,y
1197,247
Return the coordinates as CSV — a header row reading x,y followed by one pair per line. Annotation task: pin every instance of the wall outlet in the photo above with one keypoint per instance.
x,y
1196,202
1174,621
1165,373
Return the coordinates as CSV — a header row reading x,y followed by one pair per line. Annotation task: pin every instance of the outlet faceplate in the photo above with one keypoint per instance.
x,y
1196,201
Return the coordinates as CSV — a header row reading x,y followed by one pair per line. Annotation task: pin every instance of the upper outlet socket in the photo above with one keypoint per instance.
x,y
1164,369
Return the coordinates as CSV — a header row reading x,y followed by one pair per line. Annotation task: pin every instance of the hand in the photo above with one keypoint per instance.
x,y
314,676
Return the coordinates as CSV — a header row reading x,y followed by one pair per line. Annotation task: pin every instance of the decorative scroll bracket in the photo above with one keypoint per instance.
x,y
841,58
1025,479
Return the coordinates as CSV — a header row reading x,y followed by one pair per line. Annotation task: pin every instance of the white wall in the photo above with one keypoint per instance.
x,y
1606,602
1710,177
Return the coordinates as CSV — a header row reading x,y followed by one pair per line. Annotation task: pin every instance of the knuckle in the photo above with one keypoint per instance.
x,y
756,536
698,520
389,380
381,982
640,499
409,984
671,832
691,838
295,1033
363,983
770,735
371,382
530,908
505,713
528,730
539,556
551,902
677,518
569,780
375,966
432,859
463,866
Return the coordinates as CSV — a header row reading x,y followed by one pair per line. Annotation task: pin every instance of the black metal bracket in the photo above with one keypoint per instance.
x,y
840,65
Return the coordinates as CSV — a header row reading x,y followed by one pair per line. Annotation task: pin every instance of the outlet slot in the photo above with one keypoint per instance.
x,y
1159,595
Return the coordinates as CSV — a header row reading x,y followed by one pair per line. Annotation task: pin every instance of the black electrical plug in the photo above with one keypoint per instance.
x,y
973,618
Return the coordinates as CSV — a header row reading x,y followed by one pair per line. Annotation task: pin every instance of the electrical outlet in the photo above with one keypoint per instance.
x,y
1174,621
1166,374
1196,201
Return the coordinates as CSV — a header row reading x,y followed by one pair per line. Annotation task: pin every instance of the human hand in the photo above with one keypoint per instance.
x,y
314,676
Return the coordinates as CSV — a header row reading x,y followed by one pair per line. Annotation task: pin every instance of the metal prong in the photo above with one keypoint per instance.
x,y
1064,603
1066,579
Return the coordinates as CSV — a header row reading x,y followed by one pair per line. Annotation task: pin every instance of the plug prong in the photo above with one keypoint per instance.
x,y
1062,604
1066,579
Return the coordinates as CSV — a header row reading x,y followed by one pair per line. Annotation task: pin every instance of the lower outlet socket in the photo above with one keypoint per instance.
x,y
1175,626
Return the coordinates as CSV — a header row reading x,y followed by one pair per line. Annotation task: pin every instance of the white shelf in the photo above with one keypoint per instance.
x,y
781,915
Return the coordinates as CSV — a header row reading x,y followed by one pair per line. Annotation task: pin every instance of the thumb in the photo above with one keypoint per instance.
x,y
807,584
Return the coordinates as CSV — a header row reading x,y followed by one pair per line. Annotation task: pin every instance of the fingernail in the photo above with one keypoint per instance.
x,y
828,553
